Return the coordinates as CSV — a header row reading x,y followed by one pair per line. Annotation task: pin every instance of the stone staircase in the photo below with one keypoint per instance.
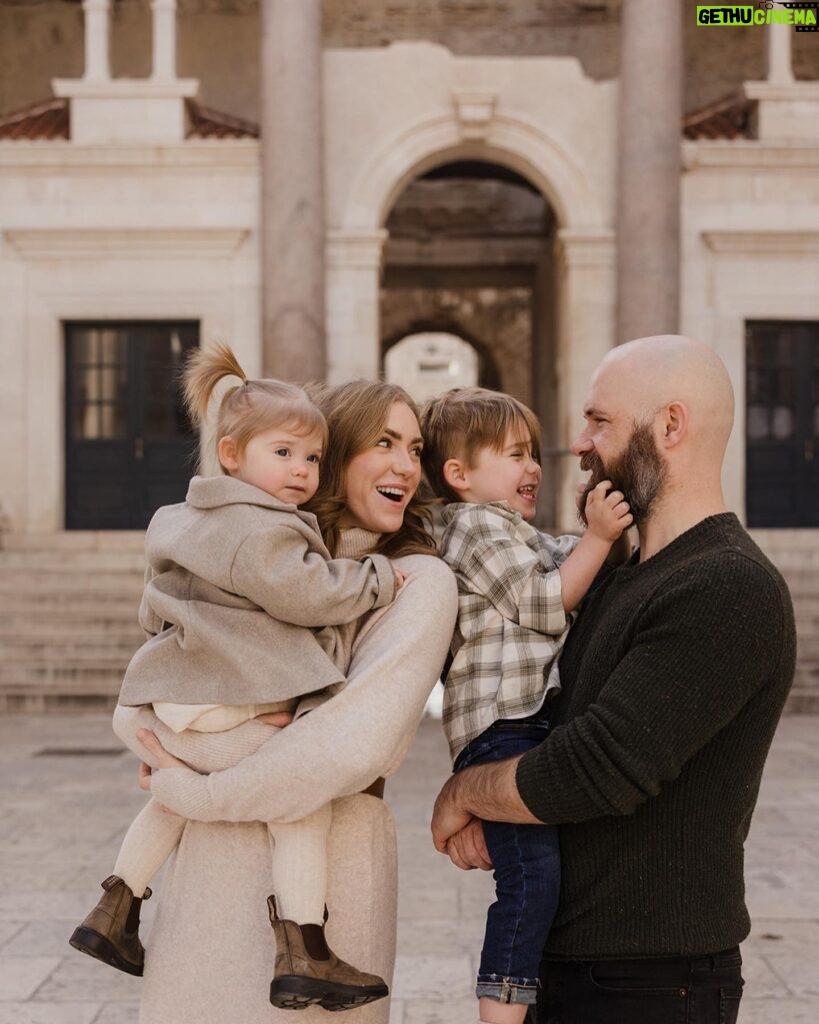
x,y
68,618
796,554
68,615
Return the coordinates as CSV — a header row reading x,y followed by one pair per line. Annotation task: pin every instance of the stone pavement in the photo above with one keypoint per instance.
x,y
68,794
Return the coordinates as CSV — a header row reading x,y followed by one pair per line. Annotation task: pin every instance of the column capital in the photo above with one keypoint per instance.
x,y
360,249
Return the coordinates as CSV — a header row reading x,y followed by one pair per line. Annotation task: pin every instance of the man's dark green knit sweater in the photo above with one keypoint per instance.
x,y
674,678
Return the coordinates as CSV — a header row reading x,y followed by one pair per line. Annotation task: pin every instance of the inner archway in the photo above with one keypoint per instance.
x,y
429,362
470,253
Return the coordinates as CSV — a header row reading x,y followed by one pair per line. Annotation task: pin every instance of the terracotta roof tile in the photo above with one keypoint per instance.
x,y
50,120
46,120
727,118
206,123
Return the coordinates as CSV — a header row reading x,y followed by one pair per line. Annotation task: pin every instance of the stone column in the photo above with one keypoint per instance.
x,y
292,229
649,168
164,39
97,65
778,47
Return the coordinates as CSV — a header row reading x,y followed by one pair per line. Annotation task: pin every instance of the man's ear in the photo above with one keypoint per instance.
x,y
455,475
675,424
226,450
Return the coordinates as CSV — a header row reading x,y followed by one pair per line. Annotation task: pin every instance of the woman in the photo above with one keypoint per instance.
x,y
210,952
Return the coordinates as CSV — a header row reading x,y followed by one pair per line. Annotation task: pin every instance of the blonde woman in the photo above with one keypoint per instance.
x,y
209,953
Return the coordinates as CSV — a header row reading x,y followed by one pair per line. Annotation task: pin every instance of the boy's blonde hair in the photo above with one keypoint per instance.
x,y
460,422
249,408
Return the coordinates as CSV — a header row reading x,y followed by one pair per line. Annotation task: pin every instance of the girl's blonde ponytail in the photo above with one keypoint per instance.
x,y
204,369
245,410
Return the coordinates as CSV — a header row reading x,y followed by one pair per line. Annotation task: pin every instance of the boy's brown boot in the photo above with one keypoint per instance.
x,y
307,971
111,931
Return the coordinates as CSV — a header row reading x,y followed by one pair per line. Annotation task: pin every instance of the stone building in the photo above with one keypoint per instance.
x,y
426,188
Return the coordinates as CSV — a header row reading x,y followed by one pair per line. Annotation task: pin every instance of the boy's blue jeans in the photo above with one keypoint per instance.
x,y
526,860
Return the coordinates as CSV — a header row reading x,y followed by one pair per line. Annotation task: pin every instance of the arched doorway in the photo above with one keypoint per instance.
x,y
470,253
429,362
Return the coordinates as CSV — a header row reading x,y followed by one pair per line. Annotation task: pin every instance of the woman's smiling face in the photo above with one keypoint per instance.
x,y
381,480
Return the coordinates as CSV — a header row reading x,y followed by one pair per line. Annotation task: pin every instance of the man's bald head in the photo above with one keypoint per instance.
x,y
651,373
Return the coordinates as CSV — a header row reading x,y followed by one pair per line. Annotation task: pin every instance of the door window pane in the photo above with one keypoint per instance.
x,y
164,410
98,383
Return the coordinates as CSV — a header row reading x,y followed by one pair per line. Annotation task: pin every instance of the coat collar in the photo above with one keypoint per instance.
x,y
215,491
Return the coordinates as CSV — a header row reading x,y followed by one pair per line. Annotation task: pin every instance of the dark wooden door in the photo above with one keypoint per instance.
x,y
782,424
130,446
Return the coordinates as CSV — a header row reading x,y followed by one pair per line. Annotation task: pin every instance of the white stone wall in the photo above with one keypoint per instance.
x,y
139,231
395,112
111,232
750,248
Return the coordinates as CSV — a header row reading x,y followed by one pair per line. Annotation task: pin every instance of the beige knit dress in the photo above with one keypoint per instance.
x,y
210,952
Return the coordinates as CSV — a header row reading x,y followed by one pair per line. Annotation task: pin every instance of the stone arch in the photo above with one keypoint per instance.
x,y
513,142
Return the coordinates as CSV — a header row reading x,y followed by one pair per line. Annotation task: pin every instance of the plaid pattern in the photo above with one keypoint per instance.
x,y
511,622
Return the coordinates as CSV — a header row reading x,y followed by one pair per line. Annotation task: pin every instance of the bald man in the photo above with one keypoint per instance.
x,y
674,678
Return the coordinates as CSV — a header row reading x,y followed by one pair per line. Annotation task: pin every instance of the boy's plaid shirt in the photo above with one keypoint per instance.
x,y
511,622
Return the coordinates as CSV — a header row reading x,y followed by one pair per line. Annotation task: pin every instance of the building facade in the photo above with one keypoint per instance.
x,y
318,185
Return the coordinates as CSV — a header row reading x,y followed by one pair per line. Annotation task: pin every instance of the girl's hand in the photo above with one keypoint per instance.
x,y
278,718
607,512
400,578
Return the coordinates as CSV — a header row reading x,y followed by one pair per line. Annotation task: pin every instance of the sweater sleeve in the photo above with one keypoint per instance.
x,y
360,733
281,571
700,652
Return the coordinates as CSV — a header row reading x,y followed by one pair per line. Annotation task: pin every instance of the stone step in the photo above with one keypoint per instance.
x,y
51,606
70,582
75,541
27,650
72,623
804,695
85,562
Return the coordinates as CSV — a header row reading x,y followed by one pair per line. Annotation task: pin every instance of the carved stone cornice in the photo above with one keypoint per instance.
x,y
48,244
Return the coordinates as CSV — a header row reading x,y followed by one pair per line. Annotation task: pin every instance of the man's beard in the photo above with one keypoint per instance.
x,y
639,472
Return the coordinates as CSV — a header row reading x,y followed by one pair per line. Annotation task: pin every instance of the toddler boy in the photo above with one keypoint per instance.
x,y
517,588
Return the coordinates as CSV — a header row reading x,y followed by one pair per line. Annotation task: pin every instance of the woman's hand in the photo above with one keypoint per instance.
x,y
279,719
163,760
158,753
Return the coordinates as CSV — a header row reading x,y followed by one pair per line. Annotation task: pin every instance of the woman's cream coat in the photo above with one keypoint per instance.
x,y
210,952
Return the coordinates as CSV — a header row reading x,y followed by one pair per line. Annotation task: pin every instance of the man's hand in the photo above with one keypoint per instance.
x,y
447,816
485,791
467,849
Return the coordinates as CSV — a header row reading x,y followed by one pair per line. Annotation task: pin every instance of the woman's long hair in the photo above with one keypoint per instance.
x,y
356,414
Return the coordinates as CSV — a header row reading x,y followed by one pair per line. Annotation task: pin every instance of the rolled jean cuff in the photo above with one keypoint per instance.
x,y
507,989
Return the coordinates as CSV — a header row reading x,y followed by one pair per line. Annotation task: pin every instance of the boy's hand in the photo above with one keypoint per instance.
x,y
607,512
400,578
